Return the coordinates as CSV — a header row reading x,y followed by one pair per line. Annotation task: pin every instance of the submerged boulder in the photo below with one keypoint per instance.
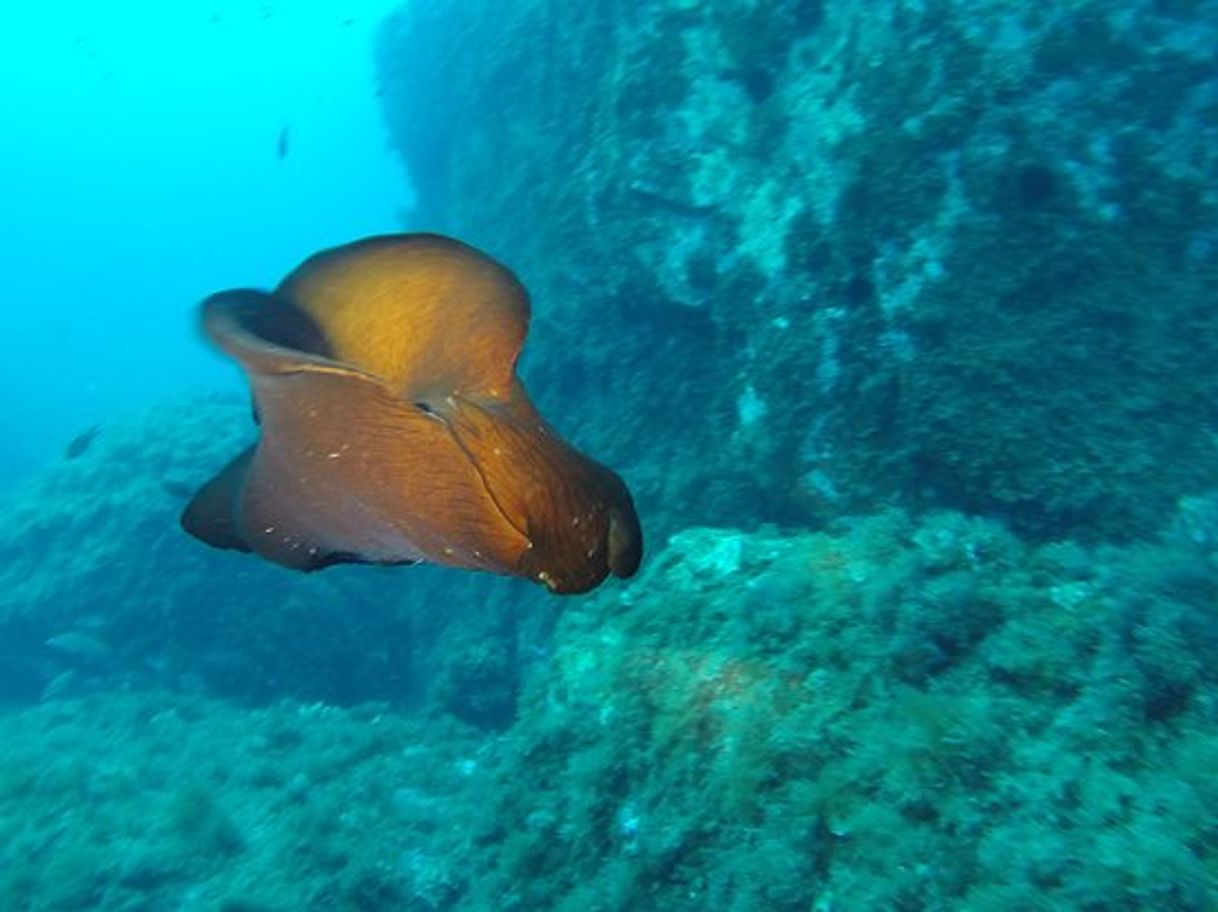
x,y
953,254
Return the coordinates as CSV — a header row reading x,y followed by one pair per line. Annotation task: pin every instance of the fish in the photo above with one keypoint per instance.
x,y
61,684
81,442
394,428
80,645
283,146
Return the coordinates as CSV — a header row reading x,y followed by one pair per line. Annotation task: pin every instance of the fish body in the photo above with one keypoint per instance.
x,y
81,646
79,444
393,427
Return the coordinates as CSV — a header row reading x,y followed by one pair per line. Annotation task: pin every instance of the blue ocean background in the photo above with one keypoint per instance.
x,y
899,321
143,174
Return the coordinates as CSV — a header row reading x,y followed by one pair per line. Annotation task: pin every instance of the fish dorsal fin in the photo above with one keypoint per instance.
x,y
425,314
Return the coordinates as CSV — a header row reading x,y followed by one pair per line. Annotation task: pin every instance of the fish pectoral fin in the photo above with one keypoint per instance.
x,y
211,514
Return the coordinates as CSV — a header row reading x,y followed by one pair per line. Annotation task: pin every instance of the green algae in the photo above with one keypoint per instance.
x,y
149,809
753,691
923,712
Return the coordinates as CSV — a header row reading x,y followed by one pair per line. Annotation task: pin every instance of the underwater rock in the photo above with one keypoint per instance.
x,y
760,721
762,730
953,254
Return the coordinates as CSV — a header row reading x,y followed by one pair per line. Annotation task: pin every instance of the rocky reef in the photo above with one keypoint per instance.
x,y
895,712
943,253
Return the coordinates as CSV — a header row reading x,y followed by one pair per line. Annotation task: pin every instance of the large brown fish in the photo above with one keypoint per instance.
x,y
393,427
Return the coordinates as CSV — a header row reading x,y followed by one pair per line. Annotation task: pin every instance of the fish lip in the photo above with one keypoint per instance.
x,y
625,539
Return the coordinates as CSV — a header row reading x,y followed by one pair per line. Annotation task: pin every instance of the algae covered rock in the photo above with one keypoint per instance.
x,y
151,800
893,714
955,254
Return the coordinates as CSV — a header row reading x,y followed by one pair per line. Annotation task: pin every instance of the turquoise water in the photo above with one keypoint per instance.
x,y
142,173
892,323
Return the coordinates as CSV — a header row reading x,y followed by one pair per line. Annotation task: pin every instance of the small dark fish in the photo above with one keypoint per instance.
x,y
178,489
285,142
81,442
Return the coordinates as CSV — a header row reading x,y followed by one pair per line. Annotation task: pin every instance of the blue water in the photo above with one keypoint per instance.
x,y
141,171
